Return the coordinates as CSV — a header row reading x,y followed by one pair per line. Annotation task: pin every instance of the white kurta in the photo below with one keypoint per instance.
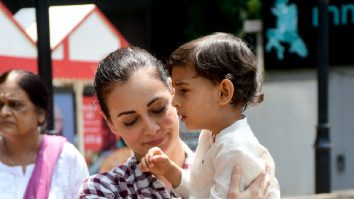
x,y
70,171
214,160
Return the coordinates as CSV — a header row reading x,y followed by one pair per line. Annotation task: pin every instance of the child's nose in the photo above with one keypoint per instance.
x,y
175,102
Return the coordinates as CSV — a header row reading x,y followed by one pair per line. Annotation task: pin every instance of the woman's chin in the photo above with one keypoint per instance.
x,y
165,144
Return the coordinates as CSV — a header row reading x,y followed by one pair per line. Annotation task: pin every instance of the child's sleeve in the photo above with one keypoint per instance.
x,y
252,162
224,161
183,188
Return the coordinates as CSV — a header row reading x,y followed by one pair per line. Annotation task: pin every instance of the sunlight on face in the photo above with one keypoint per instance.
x,y
195,97
141,112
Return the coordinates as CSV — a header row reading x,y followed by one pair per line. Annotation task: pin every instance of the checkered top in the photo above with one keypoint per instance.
x,y
127,181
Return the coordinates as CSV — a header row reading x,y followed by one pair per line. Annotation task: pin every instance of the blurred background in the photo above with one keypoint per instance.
x,y
282,33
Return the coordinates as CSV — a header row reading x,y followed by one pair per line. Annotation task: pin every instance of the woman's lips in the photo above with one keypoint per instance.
x,y
155,142
6,123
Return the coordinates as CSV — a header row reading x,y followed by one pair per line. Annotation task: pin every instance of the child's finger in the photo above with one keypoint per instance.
x,y
150,154
150,157
159,161
143,165
155,150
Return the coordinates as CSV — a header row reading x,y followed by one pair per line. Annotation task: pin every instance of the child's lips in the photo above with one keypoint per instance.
x,y
183,117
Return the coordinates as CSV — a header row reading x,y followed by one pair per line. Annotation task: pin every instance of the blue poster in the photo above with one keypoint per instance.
x,y
64,114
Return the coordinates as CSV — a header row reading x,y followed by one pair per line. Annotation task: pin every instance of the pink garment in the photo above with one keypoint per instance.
x,y
39,184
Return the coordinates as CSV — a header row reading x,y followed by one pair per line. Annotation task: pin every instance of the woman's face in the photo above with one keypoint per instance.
x,y
142,114
18,115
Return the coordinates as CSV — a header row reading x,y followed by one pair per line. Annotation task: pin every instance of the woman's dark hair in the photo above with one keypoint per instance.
x,y
34,87
119,66
222,56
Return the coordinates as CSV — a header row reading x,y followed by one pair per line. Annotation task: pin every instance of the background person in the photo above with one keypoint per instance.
x,y
28,157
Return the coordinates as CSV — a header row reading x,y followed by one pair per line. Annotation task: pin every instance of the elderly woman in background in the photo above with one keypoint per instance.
x,y
33,164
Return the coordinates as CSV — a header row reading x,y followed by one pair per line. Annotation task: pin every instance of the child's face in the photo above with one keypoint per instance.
x,y
195,98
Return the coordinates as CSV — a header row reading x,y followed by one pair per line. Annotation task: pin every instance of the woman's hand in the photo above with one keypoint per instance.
x,y
258,189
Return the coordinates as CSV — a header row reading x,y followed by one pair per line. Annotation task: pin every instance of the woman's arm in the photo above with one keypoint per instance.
x,y
258,189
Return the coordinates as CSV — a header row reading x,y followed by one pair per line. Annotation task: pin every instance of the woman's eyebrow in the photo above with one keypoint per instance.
x,y
152,101
125,113
132,112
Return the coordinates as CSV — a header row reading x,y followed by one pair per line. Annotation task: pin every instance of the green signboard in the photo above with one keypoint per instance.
x,y
291,31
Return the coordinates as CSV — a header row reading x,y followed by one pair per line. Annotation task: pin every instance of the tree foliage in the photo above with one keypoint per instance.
x,y
206,16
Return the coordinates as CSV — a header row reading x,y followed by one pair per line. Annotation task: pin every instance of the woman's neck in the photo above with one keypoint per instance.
x,y
177,154
19,151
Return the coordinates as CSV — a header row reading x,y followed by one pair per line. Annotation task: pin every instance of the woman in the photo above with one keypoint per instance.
x,y
135,95
33,165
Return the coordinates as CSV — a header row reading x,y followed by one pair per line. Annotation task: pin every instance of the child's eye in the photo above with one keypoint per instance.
x,y
182,91
130,122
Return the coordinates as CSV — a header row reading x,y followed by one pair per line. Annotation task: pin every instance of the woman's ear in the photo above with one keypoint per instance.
x,y
110,124
226,88
41,117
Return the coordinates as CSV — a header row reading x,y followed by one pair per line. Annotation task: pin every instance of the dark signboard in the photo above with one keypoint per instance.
x,y
291,28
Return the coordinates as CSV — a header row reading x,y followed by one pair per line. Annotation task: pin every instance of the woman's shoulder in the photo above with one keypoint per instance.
x,y
70,151
72,161
67,150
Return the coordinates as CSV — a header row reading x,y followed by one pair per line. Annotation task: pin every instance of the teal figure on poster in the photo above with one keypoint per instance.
x,y
285,31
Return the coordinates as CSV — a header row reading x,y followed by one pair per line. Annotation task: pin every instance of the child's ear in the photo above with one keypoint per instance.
x,y
110,124
226,88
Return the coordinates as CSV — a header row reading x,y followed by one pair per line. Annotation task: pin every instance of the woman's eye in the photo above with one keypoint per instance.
x,y
160,110
130,122
15,105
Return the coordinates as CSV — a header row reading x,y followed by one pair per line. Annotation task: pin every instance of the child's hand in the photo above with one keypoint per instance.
x,y
156,162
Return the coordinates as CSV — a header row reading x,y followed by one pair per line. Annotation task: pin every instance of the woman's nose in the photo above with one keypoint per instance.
x,y
151,126
5,110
